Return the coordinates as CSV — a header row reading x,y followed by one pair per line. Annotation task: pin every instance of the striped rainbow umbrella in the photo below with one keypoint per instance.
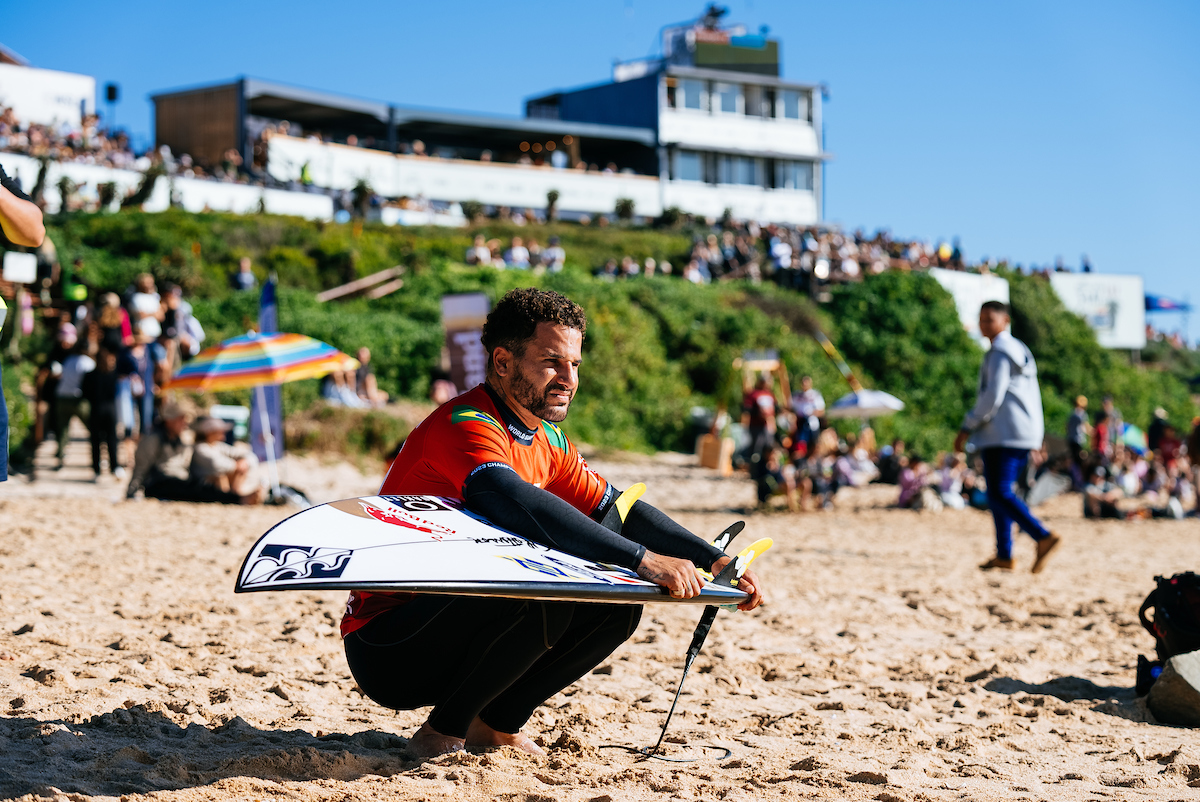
x,y
257,359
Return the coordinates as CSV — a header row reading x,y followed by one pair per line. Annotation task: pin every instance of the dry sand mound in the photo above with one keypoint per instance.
x,y
884,667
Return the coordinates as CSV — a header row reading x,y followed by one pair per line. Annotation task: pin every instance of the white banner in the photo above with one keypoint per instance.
x,y
1114,306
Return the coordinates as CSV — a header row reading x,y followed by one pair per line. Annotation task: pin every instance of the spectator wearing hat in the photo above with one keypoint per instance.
x,y
231,468
162,465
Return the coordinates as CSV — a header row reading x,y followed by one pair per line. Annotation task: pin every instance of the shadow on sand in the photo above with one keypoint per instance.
x,y
1113,700
137,750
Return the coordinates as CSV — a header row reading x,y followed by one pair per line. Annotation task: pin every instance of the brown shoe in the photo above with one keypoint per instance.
x,y
1044,549
1001,563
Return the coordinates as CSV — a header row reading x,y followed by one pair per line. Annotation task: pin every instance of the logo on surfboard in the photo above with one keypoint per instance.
x,y
549,566
278,562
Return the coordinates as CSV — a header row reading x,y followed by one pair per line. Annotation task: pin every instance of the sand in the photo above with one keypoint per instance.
x,y
884,666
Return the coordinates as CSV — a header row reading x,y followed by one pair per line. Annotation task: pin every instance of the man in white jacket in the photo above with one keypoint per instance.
x,y
1005,425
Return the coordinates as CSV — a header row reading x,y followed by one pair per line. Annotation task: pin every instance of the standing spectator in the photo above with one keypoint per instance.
x,y
146,305
100,389
244,279
1077,439
892,462
913,479
1116,424
69,394
1005,425
554,257
809,406
758,416
116,331
1154,432
1101,444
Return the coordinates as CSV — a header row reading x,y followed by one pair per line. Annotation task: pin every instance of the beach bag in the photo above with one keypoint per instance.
x,y
1175,624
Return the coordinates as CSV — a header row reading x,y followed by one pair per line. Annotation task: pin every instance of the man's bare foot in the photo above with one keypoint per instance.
x,y
481,736
428,742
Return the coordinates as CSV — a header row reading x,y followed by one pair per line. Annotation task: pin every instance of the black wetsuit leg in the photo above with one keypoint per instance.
x,y
465,655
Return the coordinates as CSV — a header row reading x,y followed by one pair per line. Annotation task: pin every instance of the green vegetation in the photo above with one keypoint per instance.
x,y
655,348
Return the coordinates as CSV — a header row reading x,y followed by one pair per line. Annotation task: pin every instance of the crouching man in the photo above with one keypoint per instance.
x,y
485,664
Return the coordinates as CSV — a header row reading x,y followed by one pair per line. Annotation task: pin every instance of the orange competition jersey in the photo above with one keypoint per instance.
x,y
467,434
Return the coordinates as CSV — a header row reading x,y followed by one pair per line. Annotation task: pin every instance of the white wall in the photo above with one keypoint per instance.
x,y
517,186
47,97
746,202
513,185
691,128
194,194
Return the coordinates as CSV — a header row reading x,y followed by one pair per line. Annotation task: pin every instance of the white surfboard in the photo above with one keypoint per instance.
x,y
429,544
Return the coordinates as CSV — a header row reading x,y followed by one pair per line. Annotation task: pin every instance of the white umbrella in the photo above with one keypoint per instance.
x,y
864,404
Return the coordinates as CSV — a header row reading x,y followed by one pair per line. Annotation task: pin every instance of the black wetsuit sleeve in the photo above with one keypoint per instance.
x,y
12,186
507,500
654,530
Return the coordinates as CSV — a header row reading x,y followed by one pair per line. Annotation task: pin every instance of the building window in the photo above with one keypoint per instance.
x,y
693,94
794,104
755,101
738,170
727,98
689,165
794,175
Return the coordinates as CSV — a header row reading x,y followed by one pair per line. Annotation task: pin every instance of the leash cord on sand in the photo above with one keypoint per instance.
x,y
648,754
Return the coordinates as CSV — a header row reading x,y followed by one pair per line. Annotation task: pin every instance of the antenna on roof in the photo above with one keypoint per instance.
x,y
712,16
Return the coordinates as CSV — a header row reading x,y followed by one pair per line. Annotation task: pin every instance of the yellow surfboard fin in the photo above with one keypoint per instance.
x,y
628,497
748,555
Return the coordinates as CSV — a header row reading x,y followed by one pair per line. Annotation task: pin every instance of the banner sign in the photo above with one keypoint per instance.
x,y
463,317
971,291
1114,306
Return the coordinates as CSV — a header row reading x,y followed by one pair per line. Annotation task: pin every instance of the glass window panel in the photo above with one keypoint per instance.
x,y
689,166
804,175
746,172
791,104
693,94
728,96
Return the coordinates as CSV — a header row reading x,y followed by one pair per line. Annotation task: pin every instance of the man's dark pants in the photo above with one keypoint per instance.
x,y
1001,466
498,659
169,488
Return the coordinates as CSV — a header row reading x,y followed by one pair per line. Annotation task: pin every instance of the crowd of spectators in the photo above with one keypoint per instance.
x,y
521,254
87,143
107,365
789,450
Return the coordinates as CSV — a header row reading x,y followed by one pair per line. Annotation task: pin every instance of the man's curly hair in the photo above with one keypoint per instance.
x,y
511,325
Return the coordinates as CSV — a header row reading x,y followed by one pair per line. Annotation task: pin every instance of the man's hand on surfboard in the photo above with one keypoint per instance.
x,y
680,577
748,583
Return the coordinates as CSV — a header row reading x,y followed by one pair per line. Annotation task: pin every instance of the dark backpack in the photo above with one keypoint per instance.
x,y
1176,623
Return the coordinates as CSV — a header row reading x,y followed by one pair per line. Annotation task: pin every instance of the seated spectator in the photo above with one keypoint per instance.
x,y
913,480
479,253
364,381
229,468
162,464
338,389
244,279
609,272
554,257
1100,497
776,477
629,267
517,255
951,482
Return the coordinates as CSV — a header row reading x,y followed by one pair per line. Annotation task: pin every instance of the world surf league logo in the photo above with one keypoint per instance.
x,y
279,563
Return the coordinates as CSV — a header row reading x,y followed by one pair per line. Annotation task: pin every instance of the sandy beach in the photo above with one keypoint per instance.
x,y
884,666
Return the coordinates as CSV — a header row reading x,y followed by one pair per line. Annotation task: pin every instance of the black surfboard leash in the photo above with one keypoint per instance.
x,y
727,574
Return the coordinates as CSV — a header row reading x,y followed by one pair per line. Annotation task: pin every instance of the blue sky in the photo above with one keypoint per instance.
x,y
1029,129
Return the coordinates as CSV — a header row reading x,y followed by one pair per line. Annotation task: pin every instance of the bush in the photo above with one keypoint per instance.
x,y
625,208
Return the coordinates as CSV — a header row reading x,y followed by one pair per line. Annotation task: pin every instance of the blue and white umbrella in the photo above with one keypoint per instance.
x,y
864,404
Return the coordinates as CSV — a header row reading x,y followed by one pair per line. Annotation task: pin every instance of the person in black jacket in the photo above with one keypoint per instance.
x,y
100,390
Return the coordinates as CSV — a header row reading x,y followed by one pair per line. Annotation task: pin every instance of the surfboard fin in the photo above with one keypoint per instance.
x,y
723,540
626,499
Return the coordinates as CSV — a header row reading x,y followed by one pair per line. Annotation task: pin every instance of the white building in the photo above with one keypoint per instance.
x,y
44,97
707,127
